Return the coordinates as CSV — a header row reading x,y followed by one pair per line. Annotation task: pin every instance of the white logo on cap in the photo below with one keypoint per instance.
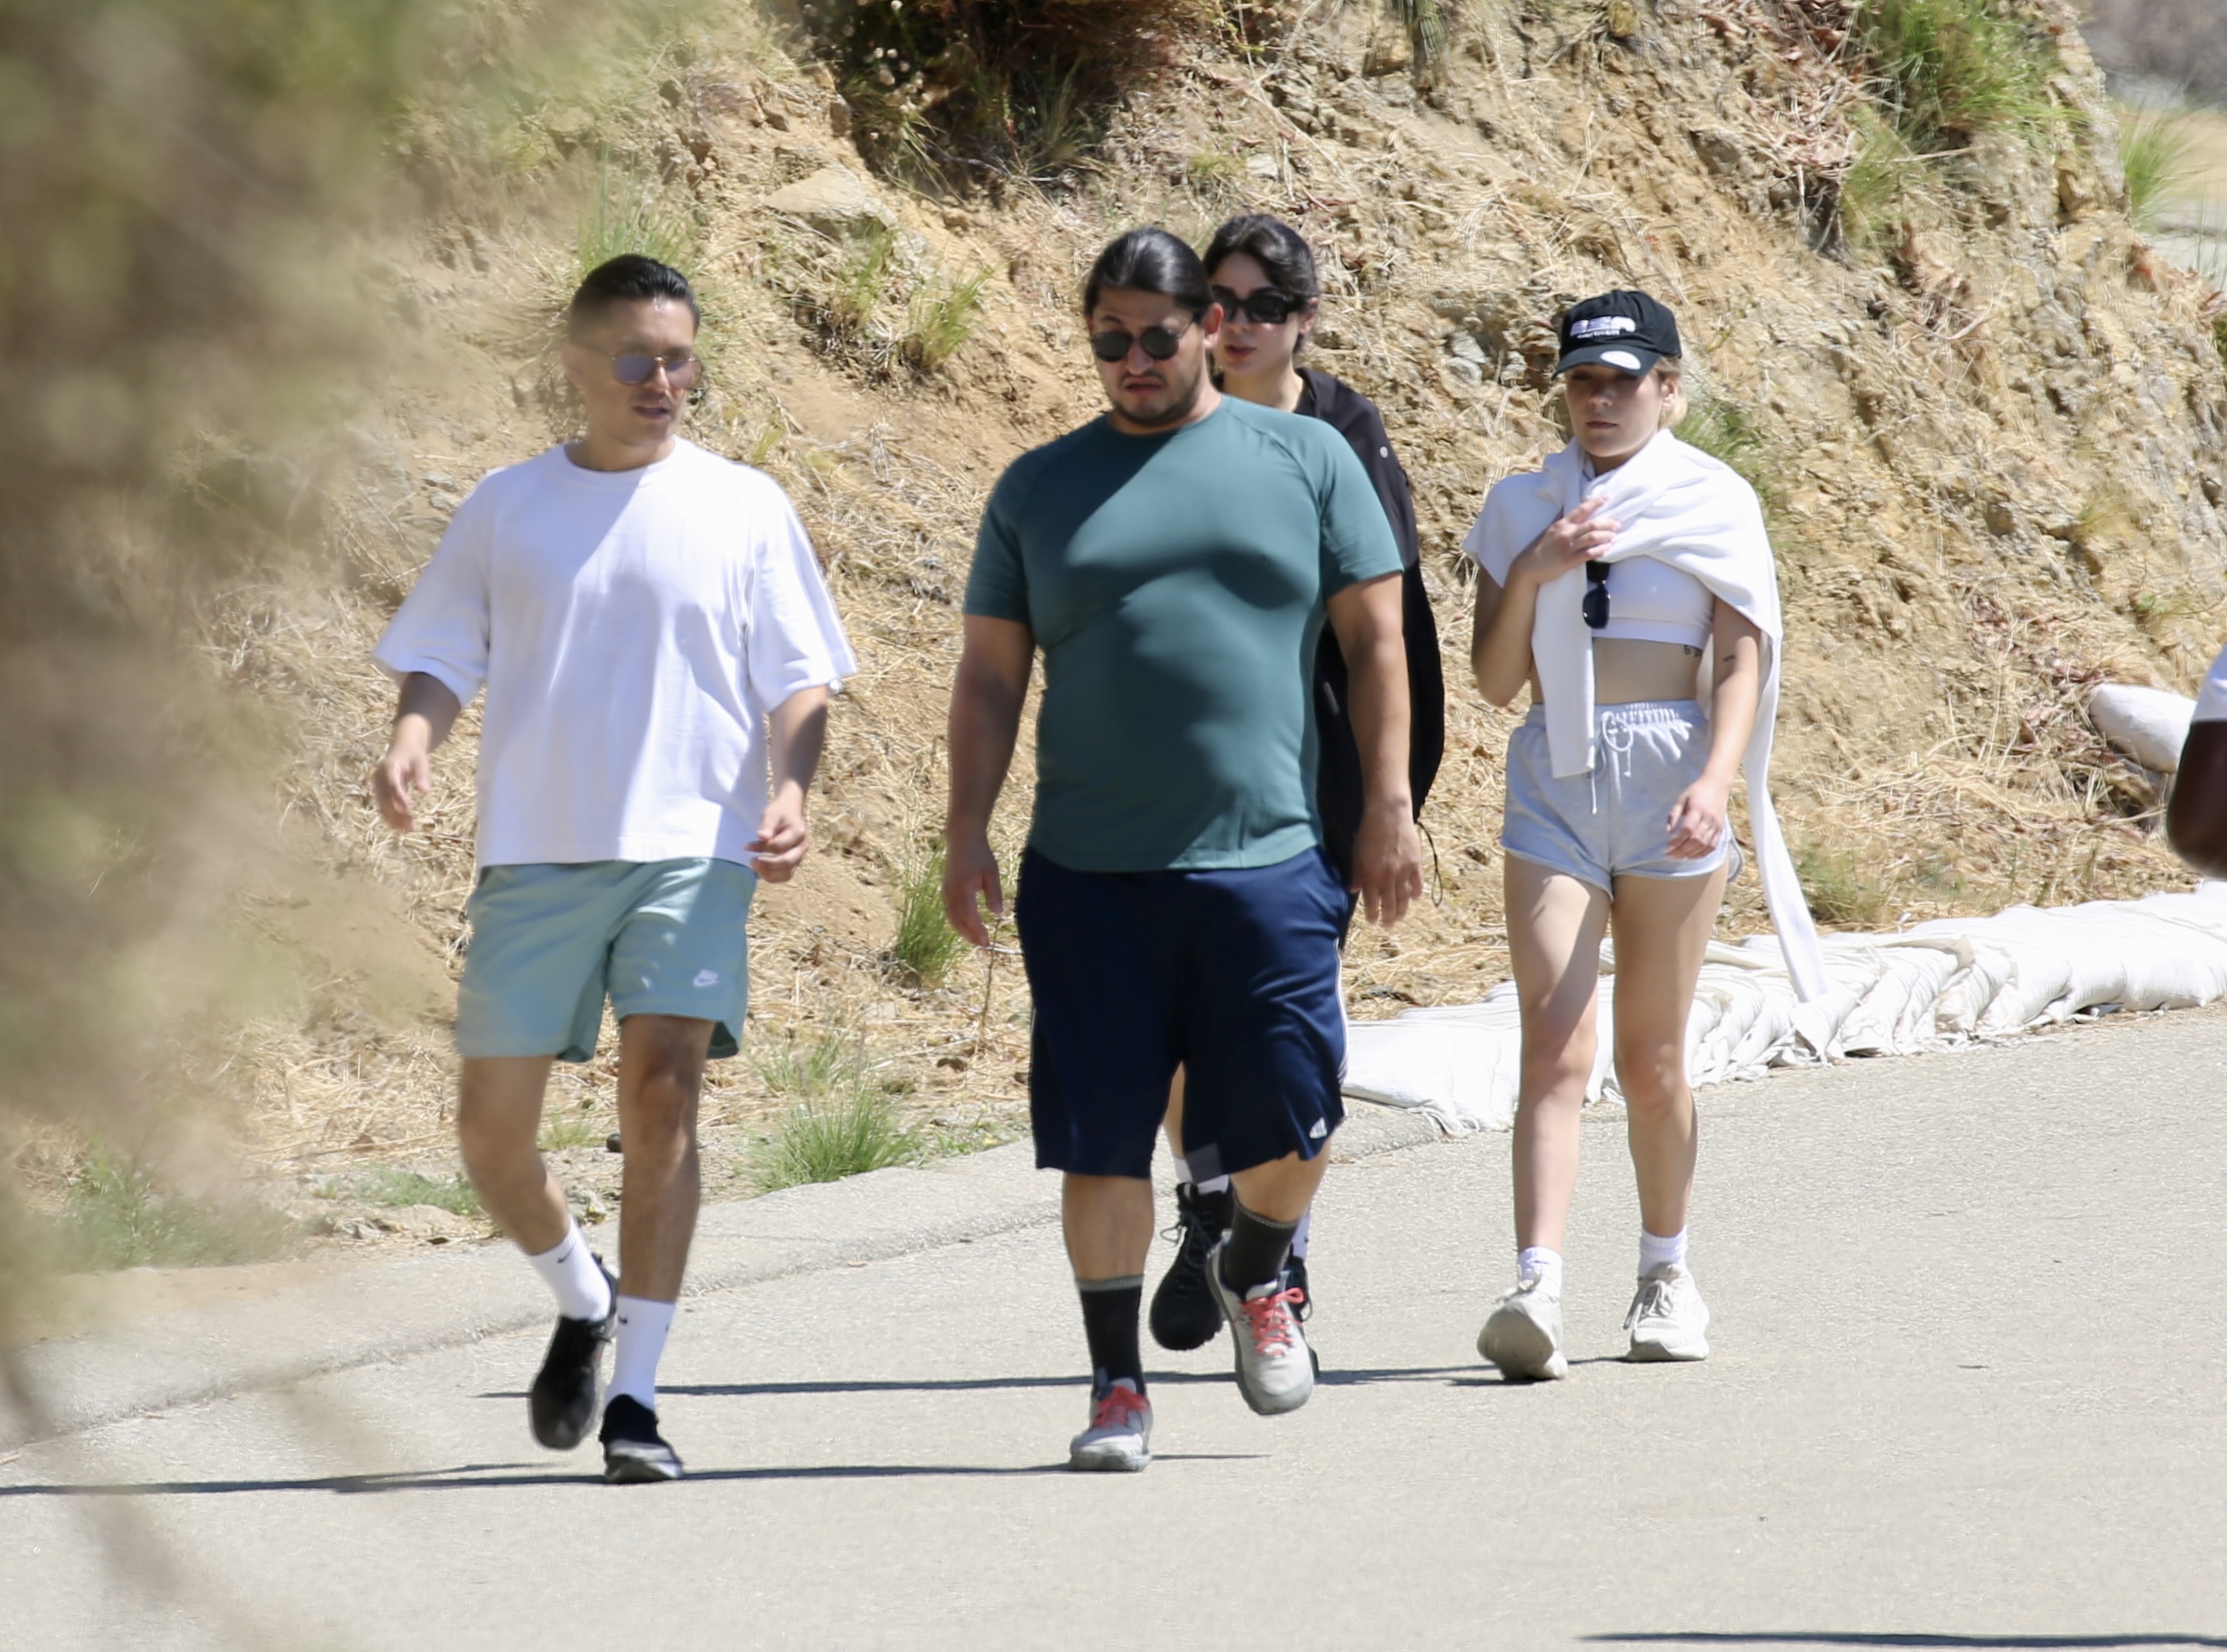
x,y
708,978
1623,359
1603,327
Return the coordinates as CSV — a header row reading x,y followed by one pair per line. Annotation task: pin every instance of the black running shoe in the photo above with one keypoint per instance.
x,y
1185,1313
563,1402
634,1453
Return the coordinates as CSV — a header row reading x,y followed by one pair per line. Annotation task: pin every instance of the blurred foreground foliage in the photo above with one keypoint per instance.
x,y
187,315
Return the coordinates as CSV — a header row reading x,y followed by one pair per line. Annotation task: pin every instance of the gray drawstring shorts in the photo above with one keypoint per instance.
x,y
1613,822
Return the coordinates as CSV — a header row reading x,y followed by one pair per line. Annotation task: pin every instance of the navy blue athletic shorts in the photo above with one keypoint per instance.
x,y
1231,975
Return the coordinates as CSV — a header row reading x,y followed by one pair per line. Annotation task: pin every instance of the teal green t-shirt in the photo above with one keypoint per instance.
x,y
1176,585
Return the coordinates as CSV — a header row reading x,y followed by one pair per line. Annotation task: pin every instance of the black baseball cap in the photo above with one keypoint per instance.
x,y
1623,329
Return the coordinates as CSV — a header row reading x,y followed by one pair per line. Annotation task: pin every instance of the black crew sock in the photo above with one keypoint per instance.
x,y
1111,1308
1255,1250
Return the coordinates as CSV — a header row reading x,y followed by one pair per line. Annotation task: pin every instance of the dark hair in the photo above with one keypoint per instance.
x,y
621,280
1280,250
1150,260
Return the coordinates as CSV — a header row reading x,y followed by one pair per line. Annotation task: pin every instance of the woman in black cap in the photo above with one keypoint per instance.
x,y
1263,275
1630,581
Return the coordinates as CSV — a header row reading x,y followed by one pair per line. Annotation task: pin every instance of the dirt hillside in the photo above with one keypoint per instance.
x,y
1987,418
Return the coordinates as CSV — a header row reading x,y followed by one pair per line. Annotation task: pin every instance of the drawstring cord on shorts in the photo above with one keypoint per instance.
x,y
1617,739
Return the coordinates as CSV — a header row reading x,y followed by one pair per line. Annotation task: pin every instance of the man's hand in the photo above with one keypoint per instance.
x,y
970,872
1387,862
426,712
404,773
783,840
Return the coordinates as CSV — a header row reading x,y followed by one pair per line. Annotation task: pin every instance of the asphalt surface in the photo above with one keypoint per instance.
x,y
1966,1393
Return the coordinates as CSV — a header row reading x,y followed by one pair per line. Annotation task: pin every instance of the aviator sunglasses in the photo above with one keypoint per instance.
x,y
639,367
1263,304
1114,344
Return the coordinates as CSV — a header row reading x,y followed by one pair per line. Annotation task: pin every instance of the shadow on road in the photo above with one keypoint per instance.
x,y
483,1476
1850,1637
1328,1379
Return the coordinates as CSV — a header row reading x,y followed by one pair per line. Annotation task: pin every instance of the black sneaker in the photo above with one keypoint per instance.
x,y
1185,1312
563,1402
634,1453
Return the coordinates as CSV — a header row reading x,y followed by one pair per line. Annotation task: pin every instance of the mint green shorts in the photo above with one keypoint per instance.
x,y
551,941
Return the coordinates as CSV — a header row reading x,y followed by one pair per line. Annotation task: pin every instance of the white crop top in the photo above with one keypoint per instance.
x,y
1650,601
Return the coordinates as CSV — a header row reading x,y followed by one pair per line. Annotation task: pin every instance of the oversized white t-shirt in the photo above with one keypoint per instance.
x,y
2211,698
632,629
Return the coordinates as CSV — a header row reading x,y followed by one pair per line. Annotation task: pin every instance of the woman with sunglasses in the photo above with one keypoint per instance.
x,y
1629,581
1262,273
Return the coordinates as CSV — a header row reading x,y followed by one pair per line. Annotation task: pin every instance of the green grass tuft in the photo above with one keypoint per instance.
x,y
396,1188
2157,148
627,216
833,1064
1949,70
116,1215
926,946
1884,181
1728,431
862,281
1841,889
831,1138
940,319
564,1130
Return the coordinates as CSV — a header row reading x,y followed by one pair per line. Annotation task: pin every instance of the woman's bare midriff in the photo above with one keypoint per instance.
x,y
1626,670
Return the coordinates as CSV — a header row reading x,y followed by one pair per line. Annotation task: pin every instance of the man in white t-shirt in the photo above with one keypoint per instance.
x,y
657,648
2196,819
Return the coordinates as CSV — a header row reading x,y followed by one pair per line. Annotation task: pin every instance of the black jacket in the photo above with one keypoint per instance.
x,y
1337,783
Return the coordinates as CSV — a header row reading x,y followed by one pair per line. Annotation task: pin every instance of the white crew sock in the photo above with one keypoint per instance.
x,y
642,1328
1655,1252
1545,1265
1182,1169
571,1271
1299,1236
1214,1184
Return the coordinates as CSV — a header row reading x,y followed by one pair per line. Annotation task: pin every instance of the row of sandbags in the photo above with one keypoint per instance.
x,y
1938,986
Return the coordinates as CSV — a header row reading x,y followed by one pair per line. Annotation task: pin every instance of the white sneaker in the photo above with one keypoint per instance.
x,y
1669,1320
1120,1438
1523,1336
1274,1372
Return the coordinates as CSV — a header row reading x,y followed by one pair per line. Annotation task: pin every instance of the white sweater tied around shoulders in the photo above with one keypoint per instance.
x,y
1676,504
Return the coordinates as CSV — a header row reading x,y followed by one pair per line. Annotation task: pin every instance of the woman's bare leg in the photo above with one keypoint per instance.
x,y
1662,927
1554,928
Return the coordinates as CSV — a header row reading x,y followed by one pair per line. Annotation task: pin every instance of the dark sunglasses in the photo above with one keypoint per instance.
x,y
1114,344
1596,603
639,367
1263,304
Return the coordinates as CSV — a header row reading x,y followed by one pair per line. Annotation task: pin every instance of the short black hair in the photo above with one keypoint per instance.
x,y
1280,250
1150,260
623,279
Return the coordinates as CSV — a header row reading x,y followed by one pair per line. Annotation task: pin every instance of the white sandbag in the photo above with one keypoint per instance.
x,y
1939,985
2149,724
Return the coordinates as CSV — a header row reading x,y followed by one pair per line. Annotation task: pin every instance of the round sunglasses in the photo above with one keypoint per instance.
x,y
1263,304
1159,342
639,367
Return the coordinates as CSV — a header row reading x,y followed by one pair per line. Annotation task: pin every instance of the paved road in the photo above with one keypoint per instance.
x,y
1967,1393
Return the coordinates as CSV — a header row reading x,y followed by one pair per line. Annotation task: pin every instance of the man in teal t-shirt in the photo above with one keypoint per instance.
x,y
1176,560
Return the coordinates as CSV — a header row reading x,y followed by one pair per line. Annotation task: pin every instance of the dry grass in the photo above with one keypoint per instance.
x,y
1934,740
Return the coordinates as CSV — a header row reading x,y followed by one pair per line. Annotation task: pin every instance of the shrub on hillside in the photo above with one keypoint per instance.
x,y
950,89
1949,70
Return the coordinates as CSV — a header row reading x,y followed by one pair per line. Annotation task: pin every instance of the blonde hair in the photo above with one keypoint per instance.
x,y
1671,370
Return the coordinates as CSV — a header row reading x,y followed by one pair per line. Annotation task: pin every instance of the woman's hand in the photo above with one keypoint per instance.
x,y
1579,536
1697,821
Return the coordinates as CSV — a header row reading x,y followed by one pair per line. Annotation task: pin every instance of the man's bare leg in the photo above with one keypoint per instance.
x,y
661,1081
498,1118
